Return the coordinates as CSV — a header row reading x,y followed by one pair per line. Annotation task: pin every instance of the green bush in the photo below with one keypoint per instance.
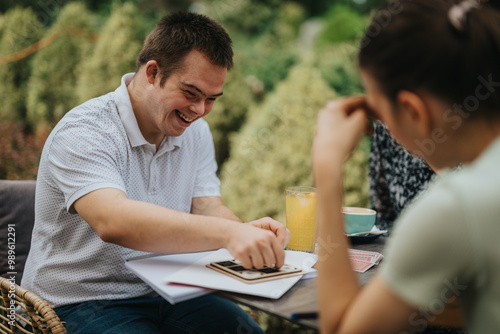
x,y
338,66
355,179
229,112
264,34
342,24
270,56
115,53
56,69
272,150
266,139
249,17
288,20
269,59
19,30
263,57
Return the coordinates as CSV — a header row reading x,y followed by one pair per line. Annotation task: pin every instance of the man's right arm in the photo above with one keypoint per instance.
x,y
151,228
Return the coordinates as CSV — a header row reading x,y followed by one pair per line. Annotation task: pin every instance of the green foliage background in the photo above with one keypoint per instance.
x,y
51,86
263,125
271,150
114,54
18,30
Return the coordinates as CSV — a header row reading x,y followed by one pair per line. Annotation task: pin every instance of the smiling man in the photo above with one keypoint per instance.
x,y
133,172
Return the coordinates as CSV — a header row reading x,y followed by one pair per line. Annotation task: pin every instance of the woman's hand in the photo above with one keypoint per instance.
x,y
340,125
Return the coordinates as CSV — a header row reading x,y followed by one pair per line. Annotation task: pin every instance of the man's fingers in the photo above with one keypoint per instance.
x,y
286,237
279,254
257,260
246,261
279,229
261,244
281,232
269,256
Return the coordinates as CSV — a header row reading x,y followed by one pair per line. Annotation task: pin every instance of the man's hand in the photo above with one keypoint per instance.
x,y
274,226
258,243
251,252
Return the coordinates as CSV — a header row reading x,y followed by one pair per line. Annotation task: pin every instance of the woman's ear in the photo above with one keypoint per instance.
x,y
414,111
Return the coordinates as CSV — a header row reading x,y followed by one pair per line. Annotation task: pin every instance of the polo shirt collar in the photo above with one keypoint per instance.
x,y
127,116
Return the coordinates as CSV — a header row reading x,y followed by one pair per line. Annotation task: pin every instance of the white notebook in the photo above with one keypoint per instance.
x,y
180,277
197,274
154,269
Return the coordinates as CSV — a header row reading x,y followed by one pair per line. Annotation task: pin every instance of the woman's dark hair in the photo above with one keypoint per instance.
x,y
175,35
413,45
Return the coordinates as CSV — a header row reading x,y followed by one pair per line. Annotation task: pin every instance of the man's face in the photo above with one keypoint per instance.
x,y
187,95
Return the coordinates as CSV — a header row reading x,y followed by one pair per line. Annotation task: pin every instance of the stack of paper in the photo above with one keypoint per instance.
x,y
153,270
199,275
179,277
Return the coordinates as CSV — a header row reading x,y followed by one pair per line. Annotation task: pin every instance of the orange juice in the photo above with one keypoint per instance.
x,y
301,215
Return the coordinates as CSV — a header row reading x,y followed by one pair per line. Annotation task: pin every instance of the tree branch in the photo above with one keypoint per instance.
x,y
44,43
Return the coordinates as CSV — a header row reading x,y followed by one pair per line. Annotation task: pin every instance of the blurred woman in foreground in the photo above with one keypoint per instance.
x,y
431,70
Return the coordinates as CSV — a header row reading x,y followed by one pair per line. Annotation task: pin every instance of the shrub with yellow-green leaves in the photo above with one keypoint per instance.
x,y
19,29
272,150
56,68
338,67
115,53
229,112
355,179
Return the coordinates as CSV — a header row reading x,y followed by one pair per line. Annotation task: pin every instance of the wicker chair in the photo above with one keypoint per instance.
x,y
16,220
42,318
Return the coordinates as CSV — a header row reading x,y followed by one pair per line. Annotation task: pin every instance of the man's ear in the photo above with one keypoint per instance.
x,y
152,71
413,109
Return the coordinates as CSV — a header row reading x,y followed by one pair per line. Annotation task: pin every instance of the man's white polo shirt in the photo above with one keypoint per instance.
x,y
99,145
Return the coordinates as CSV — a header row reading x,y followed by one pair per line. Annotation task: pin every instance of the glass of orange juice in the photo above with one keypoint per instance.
x,y
301,215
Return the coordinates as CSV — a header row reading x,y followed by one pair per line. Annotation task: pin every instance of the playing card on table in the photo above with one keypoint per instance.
x,y
363,260
360,266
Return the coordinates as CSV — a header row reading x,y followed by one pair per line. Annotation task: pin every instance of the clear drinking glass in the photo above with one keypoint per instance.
x,y
301,216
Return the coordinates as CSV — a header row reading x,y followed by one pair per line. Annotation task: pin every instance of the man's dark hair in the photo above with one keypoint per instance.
x,y
420,49
175,35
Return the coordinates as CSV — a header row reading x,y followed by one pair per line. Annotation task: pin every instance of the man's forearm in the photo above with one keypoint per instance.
x,y
148,227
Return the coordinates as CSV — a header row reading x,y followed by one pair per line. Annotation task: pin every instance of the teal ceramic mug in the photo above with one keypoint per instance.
x,y
358,220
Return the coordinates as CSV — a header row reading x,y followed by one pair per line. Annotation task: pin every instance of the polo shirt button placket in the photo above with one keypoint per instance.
x,y
153,186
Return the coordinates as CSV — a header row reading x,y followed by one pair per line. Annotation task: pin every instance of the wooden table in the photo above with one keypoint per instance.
x,y
302,296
